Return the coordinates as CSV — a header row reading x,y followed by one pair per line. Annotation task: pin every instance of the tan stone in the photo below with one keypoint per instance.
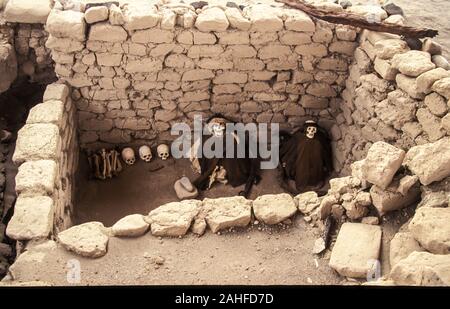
x,y
27,11
430,228
37,142
88,239
66,24
212,19
227,212
413,63
236,19
356,249
107,33
409,85
32,219
401,246
130,226
264,19
422,269
386,49
274,208
36,178
96,14
442,87
140,15
426,80
48,112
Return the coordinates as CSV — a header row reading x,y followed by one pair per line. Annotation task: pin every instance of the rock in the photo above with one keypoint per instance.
x,y
409,85
371,12
199,226
307,202
382,162
432,47
67,24
430,228
264,18
173,219
96,14
395,19
390,199
356,249
184,189
212,19
436,104
430,124
440,62
319,246
57,92
130,226
36,177
406,183
32,219
356,206
236,19
27,11
442,87
88,239
414,43
326,205
422,269
115,15
401,246
386,49
274,208
413,63
105,32
140,15
36,142
370,220
343,184
434,199
426,80
431,162
392,9
345,4
227,212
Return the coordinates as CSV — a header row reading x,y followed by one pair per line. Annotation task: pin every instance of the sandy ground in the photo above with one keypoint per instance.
x,y
244,257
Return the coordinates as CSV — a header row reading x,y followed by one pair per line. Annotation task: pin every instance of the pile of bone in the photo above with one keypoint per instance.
x,y
106,164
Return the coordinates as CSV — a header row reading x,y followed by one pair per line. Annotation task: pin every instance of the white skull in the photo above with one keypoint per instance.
x,y
163,151
218,129
128,156
145,153
311,131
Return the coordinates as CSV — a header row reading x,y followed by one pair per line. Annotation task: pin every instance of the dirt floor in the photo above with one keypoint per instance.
x,y
140,189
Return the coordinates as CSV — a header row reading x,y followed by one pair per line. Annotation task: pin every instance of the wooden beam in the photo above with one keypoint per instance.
x,y
347,18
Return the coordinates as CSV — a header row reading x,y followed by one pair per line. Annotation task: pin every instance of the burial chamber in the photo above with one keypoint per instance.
x,y
126,73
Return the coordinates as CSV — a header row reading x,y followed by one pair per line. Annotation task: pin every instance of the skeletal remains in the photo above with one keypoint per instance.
x,y
104,163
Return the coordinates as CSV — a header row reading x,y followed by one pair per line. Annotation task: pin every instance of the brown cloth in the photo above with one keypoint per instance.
x,y
306,161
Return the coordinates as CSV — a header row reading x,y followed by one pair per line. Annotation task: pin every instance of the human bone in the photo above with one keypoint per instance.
x,y
145,153
128,156
163,151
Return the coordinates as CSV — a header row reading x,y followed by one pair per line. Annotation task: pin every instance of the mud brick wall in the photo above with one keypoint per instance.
x,y
138,69
47,155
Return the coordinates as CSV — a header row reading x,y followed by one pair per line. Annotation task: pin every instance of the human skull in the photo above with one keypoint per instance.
x,y
128,156
163,151
218,129
311,131
145,153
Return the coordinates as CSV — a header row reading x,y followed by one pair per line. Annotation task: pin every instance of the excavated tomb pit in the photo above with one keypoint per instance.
x,y
126,85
